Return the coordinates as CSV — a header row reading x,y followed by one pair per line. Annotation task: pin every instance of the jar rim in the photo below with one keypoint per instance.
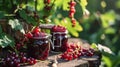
x,y
60,32
42,37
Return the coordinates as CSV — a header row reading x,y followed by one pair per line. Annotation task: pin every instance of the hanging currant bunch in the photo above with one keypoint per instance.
x,y
72,11
47,9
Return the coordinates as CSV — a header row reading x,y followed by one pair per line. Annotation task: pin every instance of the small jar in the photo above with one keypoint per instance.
x,y
59,39
39,47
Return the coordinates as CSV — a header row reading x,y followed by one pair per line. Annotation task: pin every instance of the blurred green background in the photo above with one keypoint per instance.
x,y
98,21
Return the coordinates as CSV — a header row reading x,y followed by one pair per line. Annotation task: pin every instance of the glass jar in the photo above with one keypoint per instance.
x,y
39,47
59,41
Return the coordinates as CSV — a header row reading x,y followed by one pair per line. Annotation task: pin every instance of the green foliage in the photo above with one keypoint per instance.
x,y
1,14
94,46
107,61
0,29
27,18
118,4
83,4
110,30
6,40
15,24
108,19
103,29
65,4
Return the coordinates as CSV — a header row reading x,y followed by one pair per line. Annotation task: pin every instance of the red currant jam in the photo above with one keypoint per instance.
x,y
39,47
59,38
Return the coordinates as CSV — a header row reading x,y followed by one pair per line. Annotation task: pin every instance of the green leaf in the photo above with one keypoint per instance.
x,y
0,29
6,40
65,4
28,19
31,20
57,22
107,61
40,5
23,15
78,27
110,30
117,4
15,24
94,46
108,19
58,3
83,4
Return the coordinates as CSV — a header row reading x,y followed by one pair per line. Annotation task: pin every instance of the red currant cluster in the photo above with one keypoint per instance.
x,y
36,32
58,28
75,51
47,9
72,11
16,60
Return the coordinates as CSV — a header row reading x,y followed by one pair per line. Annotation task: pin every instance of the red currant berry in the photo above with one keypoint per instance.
x,y
35,30
48,1
71,15
72,3
75,56
72,10
29,35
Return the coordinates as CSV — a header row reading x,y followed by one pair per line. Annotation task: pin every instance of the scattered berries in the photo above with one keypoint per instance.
x,y
15,60
74,51
58,28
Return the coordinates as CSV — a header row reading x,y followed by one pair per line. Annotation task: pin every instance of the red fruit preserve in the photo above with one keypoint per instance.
x,y
59,38
39,46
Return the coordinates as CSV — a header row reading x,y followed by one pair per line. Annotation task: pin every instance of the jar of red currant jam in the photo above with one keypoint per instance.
x,y
39,46
59,38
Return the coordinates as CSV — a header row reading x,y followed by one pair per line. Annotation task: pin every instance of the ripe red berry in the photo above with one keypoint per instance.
x,y
36,34
71,14
69,50
75,56
72,10
75,51
31,62
34,61
23,59
35,30
48,1
72,3
73,21
29,35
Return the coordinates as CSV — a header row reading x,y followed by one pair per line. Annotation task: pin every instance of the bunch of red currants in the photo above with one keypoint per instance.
x,y
72,11
16,60
75,51
36,32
